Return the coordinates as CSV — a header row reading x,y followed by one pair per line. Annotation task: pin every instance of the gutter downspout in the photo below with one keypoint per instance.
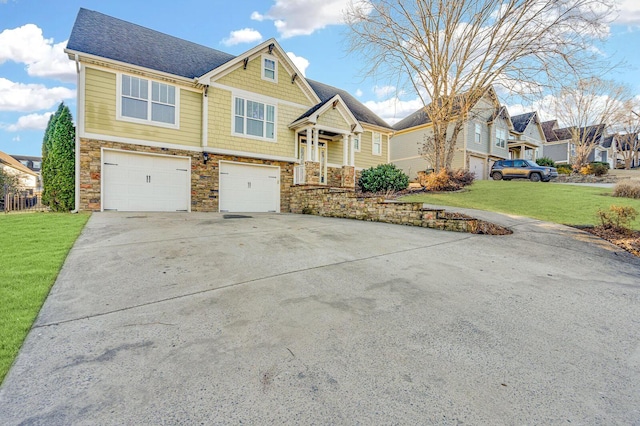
x,y
79,104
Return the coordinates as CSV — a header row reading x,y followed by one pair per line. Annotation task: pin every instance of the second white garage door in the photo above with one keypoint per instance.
x,y
248,188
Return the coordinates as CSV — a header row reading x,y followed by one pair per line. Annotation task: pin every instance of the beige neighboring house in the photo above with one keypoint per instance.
x,y
164,124
27,178
483,140
527,137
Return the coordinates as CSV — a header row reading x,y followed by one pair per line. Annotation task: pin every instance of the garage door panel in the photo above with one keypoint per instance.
x,y
249,188
140,182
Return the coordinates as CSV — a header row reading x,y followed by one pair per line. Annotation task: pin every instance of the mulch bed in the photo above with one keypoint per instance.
x,y
626,240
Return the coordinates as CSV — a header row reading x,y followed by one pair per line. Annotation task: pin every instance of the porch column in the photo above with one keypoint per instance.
x,y
345,149
352,150
316,138
308,149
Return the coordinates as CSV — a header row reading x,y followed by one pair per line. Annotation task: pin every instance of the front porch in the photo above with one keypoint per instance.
x,y
523,150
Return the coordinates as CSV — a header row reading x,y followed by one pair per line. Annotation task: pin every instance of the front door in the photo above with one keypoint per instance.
x,y
322,153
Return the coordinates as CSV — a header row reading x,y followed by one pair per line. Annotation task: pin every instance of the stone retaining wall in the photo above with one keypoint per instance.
x,y
345,203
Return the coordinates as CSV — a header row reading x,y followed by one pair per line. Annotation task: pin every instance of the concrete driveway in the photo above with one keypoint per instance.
x,y
271,319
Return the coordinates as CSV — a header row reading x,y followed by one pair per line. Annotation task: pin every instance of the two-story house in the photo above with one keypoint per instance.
x,y
27,179
561,148
527,137
165,124
482,141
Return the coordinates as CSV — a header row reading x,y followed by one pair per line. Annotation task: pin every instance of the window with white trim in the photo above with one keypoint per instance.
x,y
356,143
255,119
478,134
376,144
501,138
269,68
136,105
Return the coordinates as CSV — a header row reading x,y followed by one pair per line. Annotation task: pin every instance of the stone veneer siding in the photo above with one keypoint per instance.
x,y
345,203
334,176
204,177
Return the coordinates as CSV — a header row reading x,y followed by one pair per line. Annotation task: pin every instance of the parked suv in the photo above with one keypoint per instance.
x,y
524,169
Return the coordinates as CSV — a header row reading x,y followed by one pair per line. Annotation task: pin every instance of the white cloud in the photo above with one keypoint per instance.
x,y
359,93
629,12
383,91
301,63
245,35
30,97
30,122
304,17
257,16
41,56
16,139
394,109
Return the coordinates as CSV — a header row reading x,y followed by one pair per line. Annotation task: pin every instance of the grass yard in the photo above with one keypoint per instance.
x,y
565,204
33,249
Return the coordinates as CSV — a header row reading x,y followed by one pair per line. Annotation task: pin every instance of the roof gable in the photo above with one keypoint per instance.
x,y
101,35
9,161
359,111
335,102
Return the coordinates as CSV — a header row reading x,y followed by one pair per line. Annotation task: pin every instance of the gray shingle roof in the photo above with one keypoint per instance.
x,y
606,142
102,35
417,118
521,121
359,111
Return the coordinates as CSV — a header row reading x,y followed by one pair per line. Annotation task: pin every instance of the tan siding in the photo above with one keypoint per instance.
x,y
100,114
333,118
365,158
335,154
459,160
251,81
220,110
407,145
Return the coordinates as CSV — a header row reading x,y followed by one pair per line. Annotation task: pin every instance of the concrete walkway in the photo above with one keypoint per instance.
x,y
291,319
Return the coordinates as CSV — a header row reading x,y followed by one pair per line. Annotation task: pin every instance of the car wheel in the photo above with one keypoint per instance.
x,y
497,176
535,177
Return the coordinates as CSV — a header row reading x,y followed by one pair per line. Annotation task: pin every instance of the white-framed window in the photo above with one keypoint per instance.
x,y
254,119
572,149
478,134
146,101
269,68
376,144
501,138
356,143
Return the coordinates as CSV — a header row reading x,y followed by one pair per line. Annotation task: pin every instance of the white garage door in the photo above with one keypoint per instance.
x,y
144,183
249,188
476,166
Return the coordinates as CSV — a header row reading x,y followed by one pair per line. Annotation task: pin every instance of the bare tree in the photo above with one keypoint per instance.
x,y
451,52
586,108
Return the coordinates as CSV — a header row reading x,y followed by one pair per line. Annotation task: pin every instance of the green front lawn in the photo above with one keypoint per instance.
x,y
34,246
565,204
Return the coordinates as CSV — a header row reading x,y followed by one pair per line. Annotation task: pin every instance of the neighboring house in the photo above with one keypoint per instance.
x,y
33,163
27,178
527,137
622,148
169,125
482,141
562,150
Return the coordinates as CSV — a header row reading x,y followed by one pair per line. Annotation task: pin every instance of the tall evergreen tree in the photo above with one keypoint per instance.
x,y
58,161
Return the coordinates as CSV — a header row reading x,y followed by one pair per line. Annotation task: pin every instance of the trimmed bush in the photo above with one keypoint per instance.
x,y
627,189
546,162
463,177
597,169
564,169
385,177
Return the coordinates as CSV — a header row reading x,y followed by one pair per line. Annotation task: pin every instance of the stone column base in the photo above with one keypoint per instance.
x,y
312,172
348,177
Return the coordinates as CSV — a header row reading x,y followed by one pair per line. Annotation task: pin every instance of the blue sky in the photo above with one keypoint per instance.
x,y
35,75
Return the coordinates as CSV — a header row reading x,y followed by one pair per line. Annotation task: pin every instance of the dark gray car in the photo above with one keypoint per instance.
x,y
523,169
